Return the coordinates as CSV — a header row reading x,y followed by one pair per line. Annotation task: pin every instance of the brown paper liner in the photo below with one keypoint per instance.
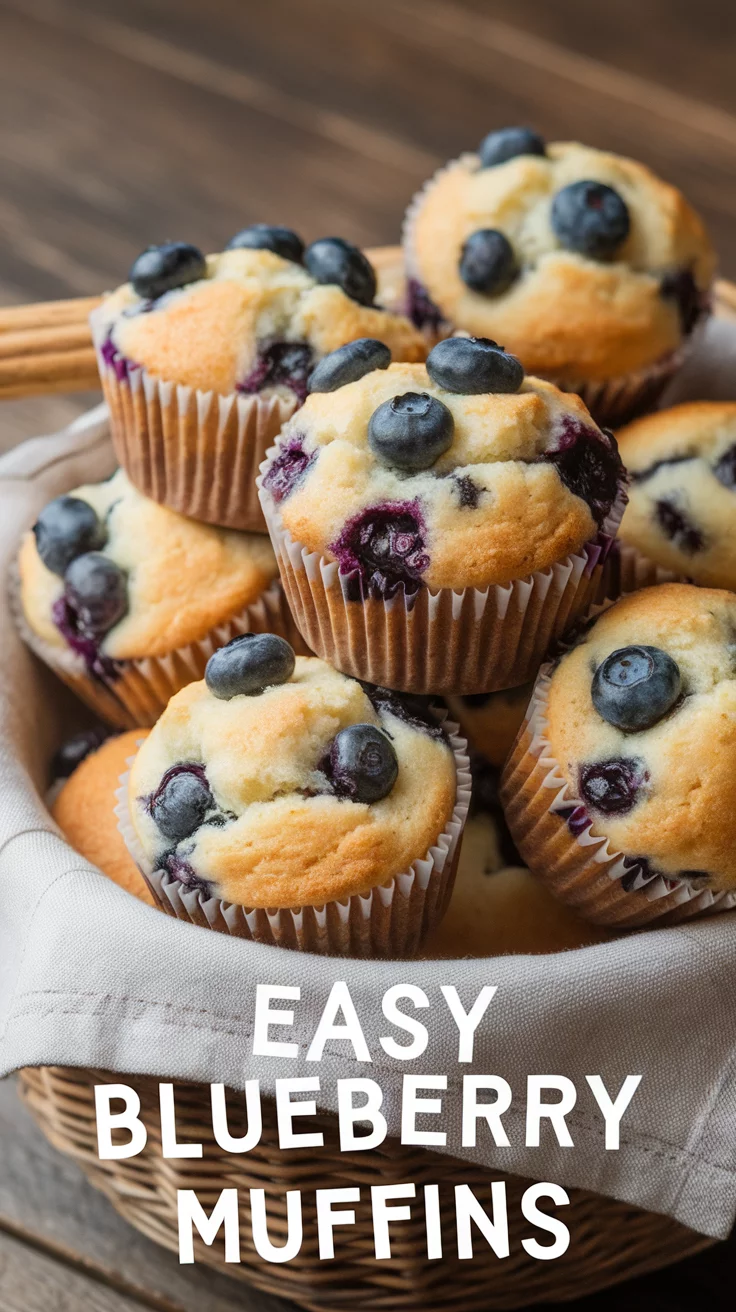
x,y
443,642
391,920
197,452
627,570
611,401
583,869
137,691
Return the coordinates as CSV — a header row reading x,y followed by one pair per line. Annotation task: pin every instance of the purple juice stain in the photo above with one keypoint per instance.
x,y
576,818
420,307
179,868
282,364
675,524
382,550
83,644
469,493
691,303
115,359
613,787
588,462
288,468
410,708
725,469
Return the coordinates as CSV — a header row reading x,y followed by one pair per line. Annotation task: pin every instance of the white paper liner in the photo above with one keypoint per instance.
x,y
197,452
584,870
611,401
391,920
141,689
464,642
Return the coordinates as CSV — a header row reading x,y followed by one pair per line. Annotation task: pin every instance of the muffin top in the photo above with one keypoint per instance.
x,y
113,576
642,722
84,810
682,497
583,263
303,788
459,474
246,320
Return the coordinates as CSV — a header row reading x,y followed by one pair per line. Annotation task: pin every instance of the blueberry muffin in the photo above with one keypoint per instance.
x,y
84,808
681,514
277,782
417,513
617,790
584,264
126,599
203,358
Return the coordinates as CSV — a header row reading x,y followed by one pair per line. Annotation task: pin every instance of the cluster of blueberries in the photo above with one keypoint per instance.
x,y
174,264
587,217
360,765
70,538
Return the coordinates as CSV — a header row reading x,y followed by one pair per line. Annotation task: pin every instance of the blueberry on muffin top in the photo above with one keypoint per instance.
x,y
298,790
682,497
641,718
583,263
459,474
114,576
254,319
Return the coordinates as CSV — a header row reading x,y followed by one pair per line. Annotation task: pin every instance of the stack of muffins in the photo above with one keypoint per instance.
x,y
443,515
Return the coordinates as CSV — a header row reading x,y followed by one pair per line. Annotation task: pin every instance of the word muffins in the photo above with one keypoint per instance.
x,y
126,600
584,264
202,359
280,800
437,528
617,792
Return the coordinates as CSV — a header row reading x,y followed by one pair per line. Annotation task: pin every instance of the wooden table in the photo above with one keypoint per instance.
x,y
126,124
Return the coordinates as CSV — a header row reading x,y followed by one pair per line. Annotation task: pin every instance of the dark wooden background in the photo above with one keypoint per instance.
x,y
126,123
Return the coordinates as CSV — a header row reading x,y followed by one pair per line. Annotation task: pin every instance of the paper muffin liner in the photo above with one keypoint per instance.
x,y
197,452
627,570
611,401
135,692
557,840
464,642
391,920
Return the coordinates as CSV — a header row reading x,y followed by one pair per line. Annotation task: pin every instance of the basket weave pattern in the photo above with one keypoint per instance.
x,y
610,1241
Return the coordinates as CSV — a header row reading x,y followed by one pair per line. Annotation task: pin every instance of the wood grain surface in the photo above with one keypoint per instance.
x,y
123,124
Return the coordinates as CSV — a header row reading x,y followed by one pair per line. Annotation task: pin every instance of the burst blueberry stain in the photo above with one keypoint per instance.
x,y
282,364
725,469
678,527
420,307
691,303
179,868
411,708
576,818
382,550
115,360
288,468
469,493
613,787
588,462
88,647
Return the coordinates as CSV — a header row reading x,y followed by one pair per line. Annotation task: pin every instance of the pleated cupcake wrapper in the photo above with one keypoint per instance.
x,y
391,920
627,570
584,870
611,401
139,690
197,452
437,642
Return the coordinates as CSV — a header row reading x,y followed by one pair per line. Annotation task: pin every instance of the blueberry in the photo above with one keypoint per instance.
x,y
382,549
588,462
269,237
333,260
472,365
163,268
96,589
676,525
288,468
181,802
362,763
282,364
349,363
507,143
66,528
410,431
635,687
590,218
75,750
725,469
488,263
249,664
612,786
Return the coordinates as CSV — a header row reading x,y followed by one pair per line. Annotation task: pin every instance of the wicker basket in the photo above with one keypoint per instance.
x,y
610,1241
